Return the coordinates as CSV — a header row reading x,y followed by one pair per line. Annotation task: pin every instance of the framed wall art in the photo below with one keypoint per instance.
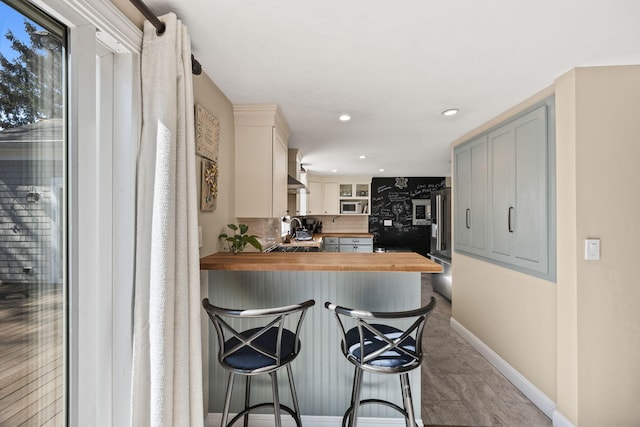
x,y
421,211
207,134
209,191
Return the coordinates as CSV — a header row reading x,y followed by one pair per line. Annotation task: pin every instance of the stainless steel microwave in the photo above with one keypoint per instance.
x,y
350,207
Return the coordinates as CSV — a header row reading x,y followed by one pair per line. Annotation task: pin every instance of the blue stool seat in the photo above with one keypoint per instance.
x,y
391,358
251,358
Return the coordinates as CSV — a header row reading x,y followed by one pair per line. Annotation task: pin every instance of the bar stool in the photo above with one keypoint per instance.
x,y
264,349
381,348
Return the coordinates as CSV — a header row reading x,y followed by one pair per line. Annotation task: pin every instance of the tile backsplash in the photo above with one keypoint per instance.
x,y
344,223
269,229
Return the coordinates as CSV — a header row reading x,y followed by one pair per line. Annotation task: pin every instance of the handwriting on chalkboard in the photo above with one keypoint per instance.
x,y
398,197
395,205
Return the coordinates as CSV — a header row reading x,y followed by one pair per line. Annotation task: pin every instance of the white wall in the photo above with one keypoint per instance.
x,y
209,96
598,196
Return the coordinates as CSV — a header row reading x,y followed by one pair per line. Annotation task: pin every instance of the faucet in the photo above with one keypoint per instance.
x,y
291,223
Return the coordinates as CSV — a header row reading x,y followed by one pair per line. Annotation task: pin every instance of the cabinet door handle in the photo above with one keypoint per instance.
x,y
468,218
438,222
509,219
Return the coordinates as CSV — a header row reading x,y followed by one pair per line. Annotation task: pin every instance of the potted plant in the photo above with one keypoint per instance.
x,y
240,239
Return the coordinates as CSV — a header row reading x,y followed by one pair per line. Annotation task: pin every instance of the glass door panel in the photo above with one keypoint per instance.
x,y
32,218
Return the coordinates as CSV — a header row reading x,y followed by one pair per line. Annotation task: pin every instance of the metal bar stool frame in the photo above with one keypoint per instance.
x,y
394,351
267,357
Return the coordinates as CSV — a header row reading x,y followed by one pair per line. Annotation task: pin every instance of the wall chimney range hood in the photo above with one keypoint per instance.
x,y
293,185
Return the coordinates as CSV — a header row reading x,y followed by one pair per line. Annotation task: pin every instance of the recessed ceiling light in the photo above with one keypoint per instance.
x,y
450,112
334,170
344,118
380,170
363,156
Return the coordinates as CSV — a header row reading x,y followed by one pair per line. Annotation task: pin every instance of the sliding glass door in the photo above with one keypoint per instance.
x,y
33,288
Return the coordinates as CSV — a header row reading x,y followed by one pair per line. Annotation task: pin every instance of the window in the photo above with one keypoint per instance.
x,y
93,204
33,166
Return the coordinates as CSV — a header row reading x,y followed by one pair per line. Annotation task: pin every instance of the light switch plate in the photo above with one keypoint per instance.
x,y
388,223
592,249
199,236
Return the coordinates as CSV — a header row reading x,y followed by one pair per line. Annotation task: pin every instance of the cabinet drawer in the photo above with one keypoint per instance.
x,y
356,248
331,240
331,248
356,240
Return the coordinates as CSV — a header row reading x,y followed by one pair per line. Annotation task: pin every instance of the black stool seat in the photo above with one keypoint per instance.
x,y
264,349
384,348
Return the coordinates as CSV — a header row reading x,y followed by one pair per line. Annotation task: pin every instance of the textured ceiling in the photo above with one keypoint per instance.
x,y
395,66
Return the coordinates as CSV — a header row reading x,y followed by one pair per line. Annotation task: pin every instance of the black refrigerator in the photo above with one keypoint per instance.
x,y
440,248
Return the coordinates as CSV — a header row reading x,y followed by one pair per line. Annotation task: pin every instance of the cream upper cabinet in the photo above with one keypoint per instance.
x,y
297,199
326,196
280,172
261,161
330,202
314,201
323,198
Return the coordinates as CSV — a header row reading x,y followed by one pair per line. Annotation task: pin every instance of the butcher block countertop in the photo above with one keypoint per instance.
x,y
319,261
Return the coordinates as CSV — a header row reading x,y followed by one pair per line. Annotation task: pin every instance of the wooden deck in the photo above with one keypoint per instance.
x,y
32,359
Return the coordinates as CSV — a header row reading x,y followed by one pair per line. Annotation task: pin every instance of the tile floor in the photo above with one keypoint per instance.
x,y
459,387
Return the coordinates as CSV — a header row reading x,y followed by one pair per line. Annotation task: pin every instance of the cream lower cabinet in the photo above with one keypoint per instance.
x,y
261,161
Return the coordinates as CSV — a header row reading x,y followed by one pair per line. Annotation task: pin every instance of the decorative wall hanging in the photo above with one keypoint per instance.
x,y
209,191
421,211
207,134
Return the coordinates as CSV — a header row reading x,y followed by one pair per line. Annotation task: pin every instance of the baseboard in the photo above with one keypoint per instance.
x,y
266,420
534,394
559,420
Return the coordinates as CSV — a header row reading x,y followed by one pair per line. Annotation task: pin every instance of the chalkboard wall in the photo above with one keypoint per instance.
x,y
392,199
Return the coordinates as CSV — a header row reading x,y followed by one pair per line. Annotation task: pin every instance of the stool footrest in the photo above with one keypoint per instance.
x,y
252,408
345,418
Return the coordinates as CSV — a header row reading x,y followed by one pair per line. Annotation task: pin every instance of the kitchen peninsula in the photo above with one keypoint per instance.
x,y
372,281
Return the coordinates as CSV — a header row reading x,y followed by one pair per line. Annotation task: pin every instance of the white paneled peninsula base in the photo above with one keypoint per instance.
x,y
372,281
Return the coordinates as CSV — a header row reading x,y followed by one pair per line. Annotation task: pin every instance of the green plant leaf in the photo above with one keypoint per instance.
x,y
239,240
253,241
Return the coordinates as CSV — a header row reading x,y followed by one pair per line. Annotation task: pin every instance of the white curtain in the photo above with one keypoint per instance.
x,y
167,357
